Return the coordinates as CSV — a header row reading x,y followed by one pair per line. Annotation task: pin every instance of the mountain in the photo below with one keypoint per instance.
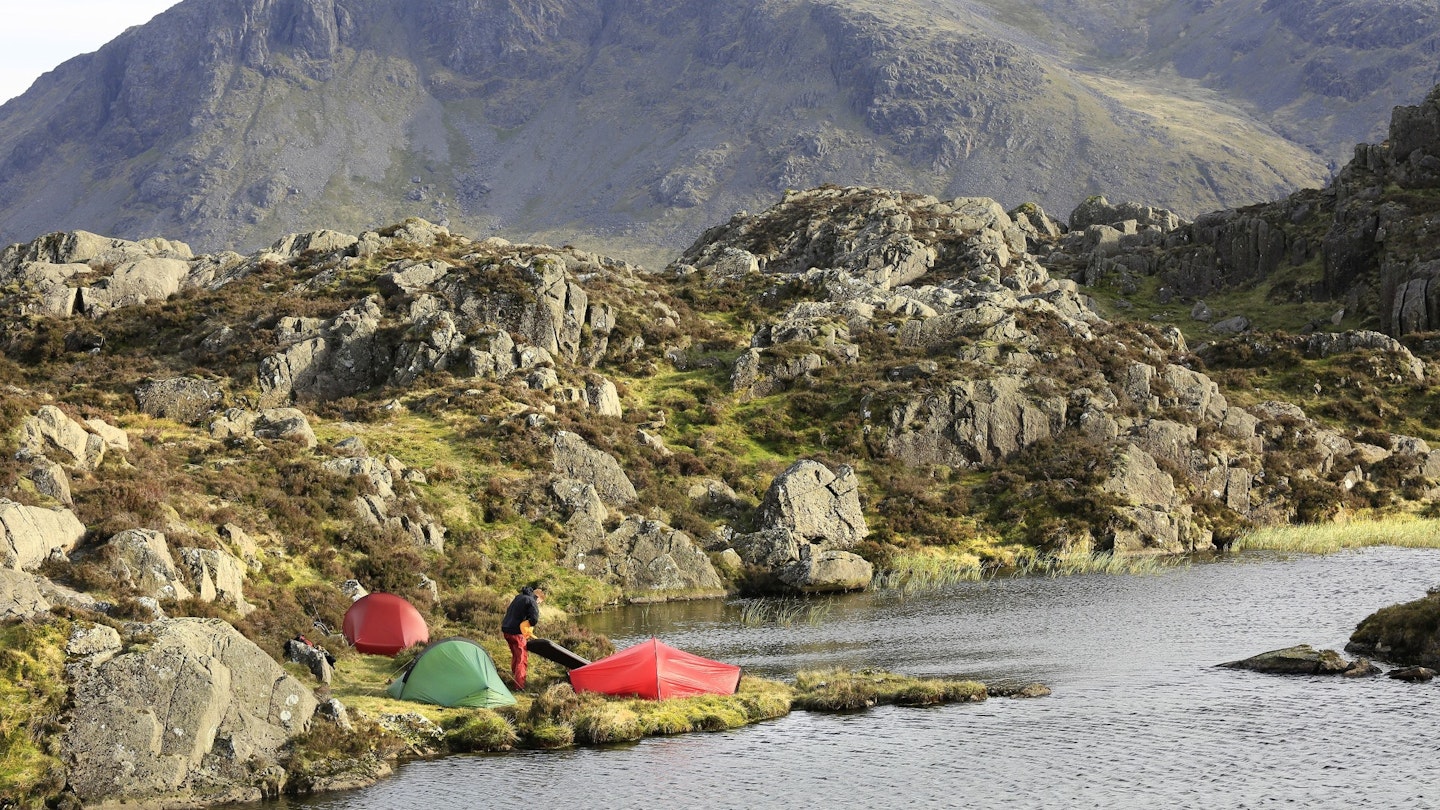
x,y
855,387
633,125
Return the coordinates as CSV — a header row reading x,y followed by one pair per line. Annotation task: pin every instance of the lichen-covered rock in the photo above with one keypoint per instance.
x,y
20,595
816,504
195,714
272,424
973,422
50,480
215,576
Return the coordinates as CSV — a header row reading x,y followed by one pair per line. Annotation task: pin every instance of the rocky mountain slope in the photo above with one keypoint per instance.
x,y
635,125
853,383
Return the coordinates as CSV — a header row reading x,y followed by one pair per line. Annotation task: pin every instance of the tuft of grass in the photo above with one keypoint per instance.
x,y
838,690
1331,537
480,730
608,723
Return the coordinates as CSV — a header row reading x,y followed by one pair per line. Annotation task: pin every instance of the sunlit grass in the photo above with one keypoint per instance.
x,y
917,573
920,572
1331,537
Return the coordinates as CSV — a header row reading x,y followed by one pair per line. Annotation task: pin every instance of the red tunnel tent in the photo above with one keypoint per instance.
x,y
384,624
655,670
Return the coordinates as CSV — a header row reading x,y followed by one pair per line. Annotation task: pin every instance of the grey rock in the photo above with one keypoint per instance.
x,y
816,504
30,534
96,642
215,576
52,434
1412,674
1298,660
20,595
271,424
141,560
649,560
317,242
51,480
1231,326
574,458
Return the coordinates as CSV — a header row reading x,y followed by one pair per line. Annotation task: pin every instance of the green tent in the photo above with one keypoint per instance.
x,y
452,672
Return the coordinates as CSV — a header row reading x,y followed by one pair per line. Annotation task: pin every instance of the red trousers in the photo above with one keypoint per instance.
x,y
519,657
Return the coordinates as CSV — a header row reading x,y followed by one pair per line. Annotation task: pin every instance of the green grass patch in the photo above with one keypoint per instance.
x,y
32,698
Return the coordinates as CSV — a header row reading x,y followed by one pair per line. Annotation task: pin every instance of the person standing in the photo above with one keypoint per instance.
x,y
518,626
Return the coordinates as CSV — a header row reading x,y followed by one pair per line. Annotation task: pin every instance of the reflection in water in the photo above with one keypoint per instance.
x,y
1140,717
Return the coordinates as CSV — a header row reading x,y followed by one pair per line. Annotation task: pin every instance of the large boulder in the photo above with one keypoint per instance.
x,y
198,714
135,282
338,358
270,424
30,534
816,504
809,517
215,576
20,596
973,422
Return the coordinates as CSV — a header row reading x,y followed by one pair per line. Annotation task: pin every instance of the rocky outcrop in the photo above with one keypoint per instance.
x,y
20,595
647,559
84,273
1369,230
198,713
142,562
1404,634
215,576
506,309
379,505
816,505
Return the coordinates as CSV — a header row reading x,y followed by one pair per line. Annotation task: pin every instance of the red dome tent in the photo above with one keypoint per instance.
x,y
384,624
655,671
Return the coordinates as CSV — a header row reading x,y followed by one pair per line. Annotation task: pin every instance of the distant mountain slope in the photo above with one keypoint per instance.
x,y
232,122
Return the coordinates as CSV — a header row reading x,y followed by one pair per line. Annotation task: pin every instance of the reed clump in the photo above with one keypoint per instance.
x,y
784,612
1328,538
